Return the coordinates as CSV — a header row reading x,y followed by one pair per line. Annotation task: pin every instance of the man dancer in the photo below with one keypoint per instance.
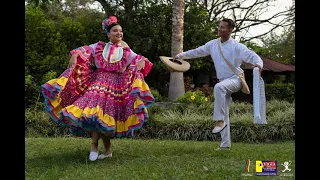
x,y
229,82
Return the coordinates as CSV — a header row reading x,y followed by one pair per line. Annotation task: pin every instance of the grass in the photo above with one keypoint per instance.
x,y
67,158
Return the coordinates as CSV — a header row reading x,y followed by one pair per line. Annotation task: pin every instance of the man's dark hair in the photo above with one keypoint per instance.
x,y
230,22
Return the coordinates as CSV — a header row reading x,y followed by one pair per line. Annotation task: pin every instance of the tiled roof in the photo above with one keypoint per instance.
x,y
270,65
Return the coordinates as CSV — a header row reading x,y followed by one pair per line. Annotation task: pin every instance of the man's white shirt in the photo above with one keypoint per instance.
x,y
233,51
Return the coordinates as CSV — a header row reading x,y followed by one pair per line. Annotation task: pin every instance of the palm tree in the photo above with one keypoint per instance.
x,y
176,84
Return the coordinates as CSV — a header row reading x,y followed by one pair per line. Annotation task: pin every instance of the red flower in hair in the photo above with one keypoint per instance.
x,y
107,22
111,20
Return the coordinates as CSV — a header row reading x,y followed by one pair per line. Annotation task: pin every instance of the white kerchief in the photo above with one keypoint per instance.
x,y
259,98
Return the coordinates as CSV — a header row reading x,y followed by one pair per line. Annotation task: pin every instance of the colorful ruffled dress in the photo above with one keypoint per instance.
x,y
101,99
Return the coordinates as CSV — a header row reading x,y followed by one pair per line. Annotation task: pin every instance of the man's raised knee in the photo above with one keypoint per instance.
x,y
218,88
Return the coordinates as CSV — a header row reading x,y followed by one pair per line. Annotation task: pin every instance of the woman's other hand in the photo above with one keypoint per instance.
x,y
141,63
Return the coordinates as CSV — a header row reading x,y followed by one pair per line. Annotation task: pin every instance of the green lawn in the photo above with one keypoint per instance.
x,y
67,158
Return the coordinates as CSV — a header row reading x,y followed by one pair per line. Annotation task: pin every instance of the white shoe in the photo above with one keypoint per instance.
x,y
217,129
102,156
93,156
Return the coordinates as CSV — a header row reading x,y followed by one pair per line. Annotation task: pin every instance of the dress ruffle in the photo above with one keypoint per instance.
x,y
81,74
51,91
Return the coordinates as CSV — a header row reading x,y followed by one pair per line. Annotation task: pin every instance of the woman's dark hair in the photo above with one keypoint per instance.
x,y
109,27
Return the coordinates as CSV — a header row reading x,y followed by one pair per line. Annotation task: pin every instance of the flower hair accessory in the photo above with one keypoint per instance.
x,y
107,22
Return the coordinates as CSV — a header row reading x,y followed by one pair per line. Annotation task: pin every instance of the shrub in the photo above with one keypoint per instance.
x,y
208,91
155,94
48,76
32,92
187,83
181,121
39,124
196,97
280,91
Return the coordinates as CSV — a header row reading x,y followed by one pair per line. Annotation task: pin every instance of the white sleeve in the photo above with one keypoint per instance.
x,y
93,47
131,56
248,55
195,53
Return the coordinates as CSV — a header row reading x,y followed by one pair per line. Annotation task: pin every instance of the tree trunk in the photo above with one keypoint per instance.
x,y
176,85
